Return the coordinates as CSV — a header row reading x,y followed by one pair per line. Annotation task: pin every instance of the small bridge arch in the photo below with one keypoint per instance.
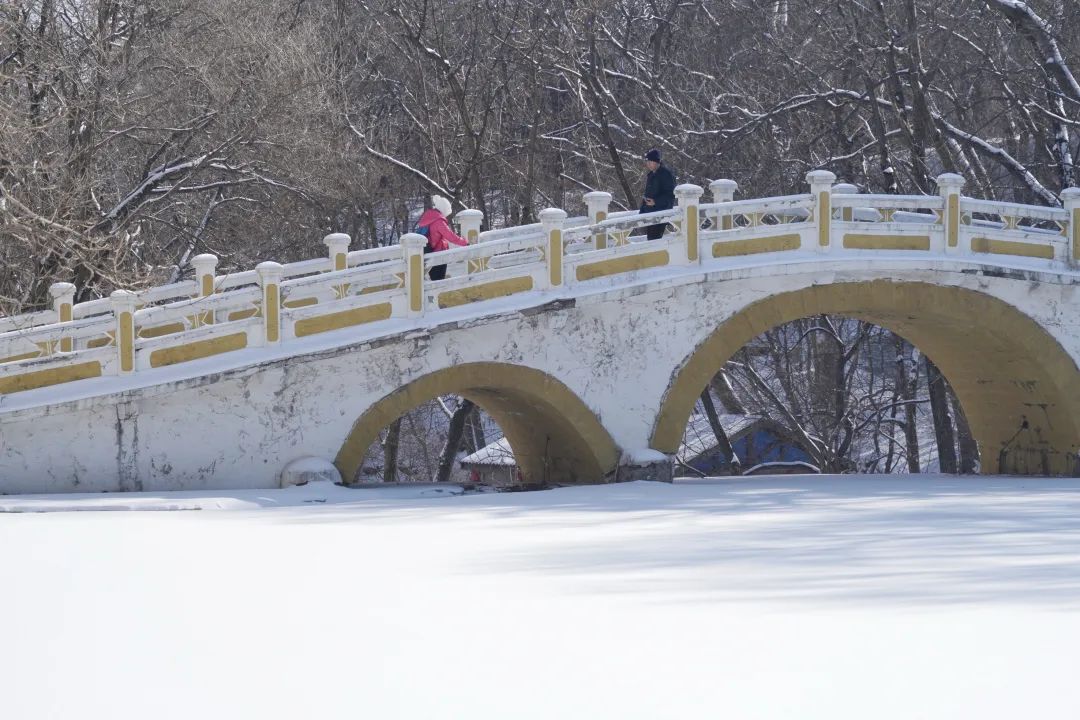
x,y
555,437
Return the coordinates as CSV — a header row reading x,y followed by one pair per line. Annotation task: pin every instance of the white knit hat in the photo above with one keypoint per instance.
x,y
441,204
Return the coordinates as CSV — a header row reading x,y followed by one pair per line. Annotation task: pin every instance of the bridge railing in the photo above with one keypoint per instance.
x,y
216,314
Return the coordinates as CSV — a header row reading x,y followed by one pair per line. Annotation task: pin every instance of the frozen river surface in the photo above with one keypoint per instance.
x,y
786,597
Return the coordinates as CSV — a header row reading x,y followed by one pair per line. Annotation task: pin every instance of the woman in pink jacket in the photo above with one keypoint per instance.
x,y
433,224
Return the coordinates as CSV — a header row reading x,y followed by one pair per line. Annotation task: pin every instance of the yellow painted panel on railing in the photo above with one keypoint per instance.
x,y
1008,247
245,314
343,319
855,241
416,283
17,358
302,302
379,288
615,266
487,291
100,342
66,315
159,330
555,258
272,303
692,225
772,243
824,218
52,376
953,229
126,322
198,349
1075,227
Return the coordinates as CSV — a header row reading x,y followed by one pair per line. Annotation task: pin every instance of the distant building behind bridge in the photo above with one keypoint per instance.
x,y
759,442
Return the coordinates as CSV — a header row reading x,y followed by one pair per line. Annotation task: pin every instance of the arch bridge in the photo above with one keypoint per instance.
x,y
587,345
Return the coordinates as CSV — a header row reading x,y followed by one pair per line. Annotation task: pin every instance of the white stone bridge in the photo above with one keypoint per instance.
x,y
587,346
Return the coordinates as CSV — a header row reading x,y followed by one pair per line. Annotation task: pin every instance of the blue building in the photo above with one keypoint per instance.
x,y
755,439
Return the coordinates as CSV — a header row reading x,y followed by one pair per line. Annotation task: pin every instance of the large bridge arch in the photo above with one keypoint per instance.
x,y
1002,364
554,435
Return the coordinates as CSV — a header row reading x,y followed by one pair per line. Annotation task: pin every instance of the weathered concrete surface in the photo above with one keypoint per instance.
x,y
576,381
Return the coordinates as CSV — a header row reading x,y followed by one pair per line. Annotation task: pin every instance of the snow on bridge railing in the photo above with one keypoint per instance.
x,y
214,314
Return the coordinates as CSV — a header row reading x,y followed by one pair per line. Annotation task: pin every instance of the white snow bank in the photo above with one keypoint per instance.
x,y
293,496
309,469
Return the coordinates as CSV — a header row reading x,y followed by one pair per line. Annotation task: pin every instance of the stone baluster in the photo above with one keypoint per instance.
x,y
205,278
469,222
950,185
552,221
688,198
270,275
1070,199
63,300
598,203
337,248
722,190
123,305
821,183
412,247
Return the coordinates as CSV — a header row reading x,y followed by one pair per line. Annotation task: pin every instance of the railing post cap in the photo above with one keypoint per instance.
x,y
552,215
950,180
413,241
469,214
59,289
1070,194
205,261
688,190
337,239
269,268
723,185
821,177
123,299
845,189
597,196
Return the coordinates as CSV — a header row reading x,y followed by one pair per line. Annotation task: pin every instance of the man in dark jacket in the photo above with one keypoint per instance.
x,y
659,191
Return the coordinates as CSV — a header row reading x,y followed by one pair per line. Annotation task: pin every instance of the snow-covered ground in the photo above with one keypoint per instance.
x,y
798,597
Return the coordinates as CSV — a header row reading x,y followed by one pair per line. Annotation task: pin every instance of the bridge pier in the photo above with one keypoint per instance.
x,y
645,465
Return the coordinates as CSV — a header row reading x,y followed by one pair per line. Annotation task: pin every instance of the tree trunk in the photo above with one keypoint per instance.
x,y
453,441
475,430
892,431
721,385
943,424
721,436
906,386
390,451
969,449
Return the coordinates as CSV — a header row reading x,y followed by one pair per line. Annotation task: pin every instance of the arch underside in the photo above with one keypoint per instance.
x,y
1005,369
554,436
